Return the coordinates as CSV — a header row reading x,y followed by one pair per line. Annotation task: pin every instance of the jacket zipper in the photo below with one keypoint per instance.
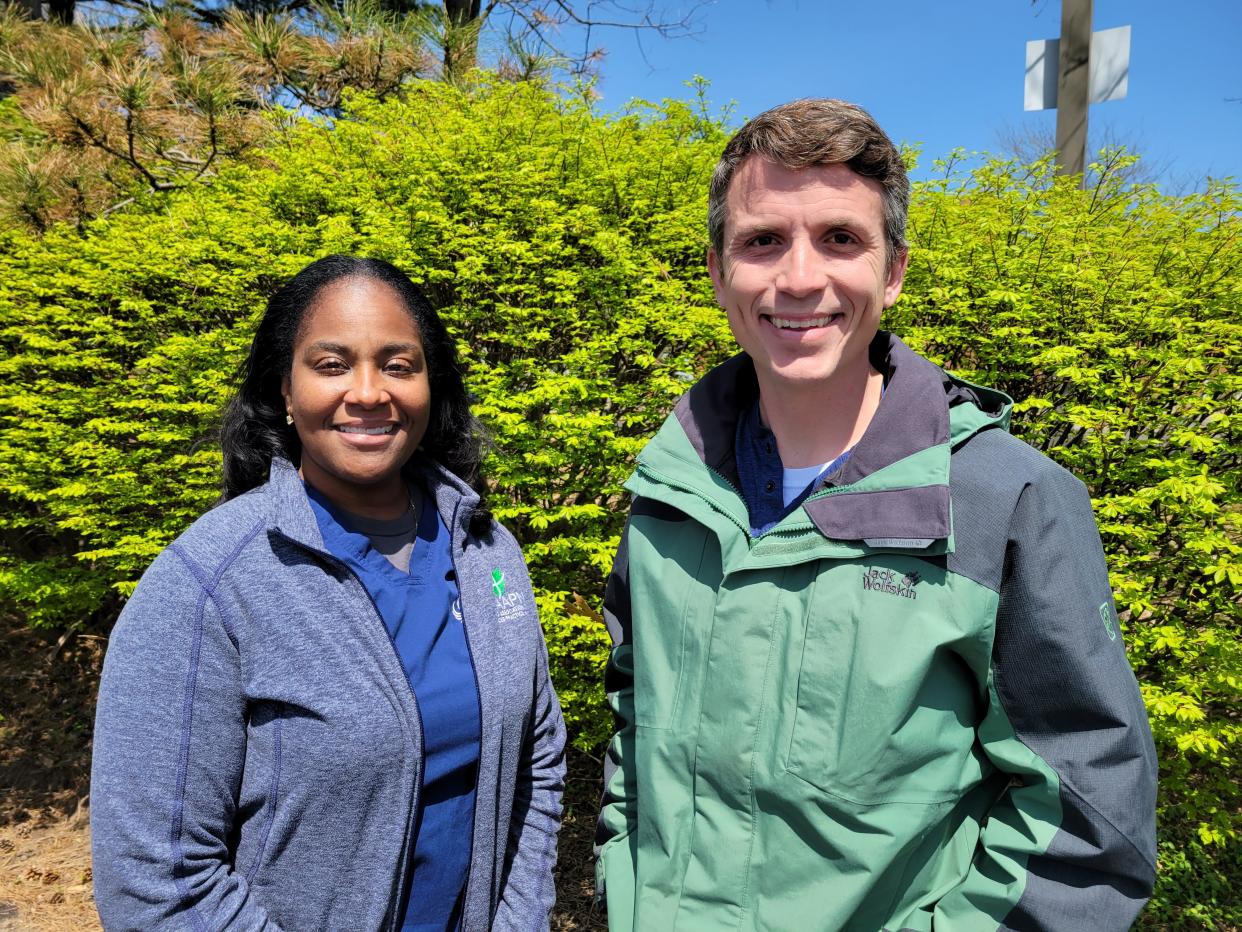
x,y
680,486
478,693
822,493
422,741
683,487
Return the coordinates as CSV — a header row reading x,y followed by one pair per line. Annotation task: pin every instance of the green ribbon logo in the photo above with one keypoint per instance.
x,y
498,583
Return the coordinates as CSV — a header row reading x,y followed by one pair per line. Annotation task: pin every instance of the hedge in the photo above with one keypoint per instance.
x,y
565,248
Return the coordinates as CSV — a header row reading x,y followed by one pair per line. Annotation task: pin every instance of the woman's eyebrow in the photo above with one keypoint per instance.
x,y
327,346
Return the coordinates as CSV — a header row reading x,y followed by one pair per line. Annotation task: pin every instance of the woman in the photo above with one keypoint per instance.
x,y
327,705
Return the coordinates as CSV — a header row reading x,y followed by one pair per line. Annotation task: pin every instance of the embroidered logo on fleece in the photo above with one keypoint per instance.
x,y
508,607
878,579
1106,616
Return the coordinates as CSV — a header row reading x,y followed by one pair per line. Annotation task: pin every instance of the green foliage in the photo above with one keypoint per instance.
x,y
1196,888
1112,316
566,251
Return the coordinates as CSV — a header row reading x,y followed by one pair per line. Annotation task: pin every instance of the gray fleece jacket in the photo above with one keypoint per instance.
x,y
258,750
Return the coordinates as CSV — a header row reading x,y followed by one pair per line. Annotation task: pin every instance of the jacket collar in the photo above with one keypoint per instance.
x,y
292,516
894,489
913,416
291,511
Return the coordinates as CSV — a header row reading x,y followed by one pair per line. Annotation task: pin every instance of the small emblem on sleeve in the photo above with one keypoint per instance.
x,y
1106,616
498,583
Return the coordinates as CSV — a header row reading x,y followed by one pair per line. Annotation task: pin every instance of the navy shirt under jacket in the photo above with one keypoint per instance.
x,y
762,473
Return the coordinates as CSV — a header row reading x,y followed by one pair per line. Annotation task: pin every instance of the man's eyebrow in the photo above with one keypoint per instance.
x,y
746,230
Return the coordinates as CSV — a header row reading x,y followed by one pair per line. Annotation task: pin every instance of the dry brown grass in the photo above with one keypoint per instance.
x,y
45,874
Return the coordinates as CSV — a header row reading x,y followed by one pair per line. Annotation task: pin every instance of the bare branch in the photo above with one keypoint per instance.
x,y
645,20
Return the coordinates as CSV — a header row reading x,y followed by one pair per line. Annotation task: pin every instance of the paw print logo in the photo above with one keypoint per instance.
x,y
911,579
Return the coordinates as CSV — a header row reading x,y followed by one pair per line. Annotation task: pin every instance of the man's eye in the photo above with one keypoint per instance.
x,y
840,238
763,239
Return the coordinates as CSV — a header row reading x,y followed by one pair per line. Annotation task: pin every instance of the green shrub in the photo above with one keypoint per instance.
x,y
566,251
1112,315
1196,887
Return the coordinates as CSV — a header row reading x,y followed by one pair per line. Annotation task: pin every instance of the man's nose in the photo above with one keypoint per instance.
x,y
803,271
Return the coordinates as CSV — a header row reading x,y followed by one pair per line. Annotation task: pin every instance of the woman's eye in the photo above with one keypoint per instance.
x,y
330,366
399,367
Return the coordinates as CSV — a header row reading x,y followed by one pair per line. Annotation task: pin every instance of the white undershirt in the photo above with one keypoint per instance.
x,y
795,481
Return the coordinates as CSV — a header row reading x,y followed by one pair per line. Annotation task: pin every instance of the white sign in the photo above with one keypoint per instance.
x,y
1110,69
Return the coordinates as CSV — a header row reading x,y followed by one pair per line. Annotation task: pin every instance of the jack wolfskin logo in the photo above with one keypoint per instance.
x,y
498,583
878,579
1106,616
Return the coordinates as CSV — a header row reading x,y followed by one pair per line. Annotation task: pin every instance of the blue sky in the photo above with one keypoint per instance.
x,y
950,74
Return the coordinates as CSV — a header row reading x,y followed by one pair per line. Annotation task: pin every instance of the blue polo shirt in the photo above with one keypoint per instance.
x,y
421,610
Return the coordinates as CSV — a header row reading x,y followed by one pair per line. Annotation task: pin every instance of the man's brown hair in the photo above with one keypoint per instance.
x,y
816,131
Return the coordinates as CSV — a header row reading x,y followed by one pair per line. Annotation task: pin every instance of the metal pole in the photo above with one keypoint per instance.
x,y
1073,86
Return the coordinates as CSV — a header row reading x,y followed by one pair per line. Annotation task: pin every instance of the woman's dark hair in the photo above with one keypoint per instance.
x,y
254,428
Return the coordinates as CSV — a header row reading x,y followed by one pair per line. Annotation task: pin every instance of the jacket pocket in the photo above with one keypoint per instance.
x,y
669,560
886,708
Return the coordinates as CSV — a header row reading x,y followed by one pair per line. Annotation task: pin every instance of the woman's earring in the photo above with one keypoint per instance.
x,y
289,419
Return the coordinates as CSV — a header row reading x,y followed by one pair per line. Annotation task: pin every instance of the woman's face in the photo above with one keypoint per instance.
x,y
359,395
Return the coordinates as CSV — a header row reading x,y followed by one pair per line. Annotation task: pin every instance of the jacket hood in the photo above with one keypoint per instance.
x,y
893,490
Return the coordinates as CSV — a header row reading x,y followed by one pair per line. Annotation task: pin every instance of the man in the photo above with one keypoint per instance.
x,y
866,669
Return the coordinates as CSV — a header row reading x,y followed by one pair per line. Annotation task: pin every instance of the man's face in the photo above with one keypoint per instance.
x,y
804,273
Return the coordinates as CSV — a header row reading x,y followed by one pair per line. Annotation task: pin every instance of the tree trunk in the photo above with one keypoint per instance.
x,y
462,12
461,36
61,11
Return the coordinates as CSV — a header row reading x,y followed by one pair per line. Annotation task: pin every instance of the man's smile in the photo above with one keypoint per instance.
x,y
801,323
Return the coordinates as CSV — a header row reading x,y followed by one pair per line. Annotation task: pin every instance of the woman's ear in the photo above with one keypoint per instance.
x,y
287,393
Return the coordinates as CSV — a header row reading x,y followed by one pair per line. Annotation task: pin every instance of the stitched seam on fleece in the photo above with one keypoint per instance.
x,y
547,853
271,795
208,585
187,713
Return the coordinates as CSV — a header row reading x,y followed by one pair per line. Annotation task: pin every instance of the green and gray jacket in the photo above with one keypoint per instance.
x,y
906,706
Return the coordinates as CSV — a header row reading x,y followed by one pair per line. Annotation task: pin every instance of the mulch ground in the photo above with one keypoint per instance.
x,y
47,705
